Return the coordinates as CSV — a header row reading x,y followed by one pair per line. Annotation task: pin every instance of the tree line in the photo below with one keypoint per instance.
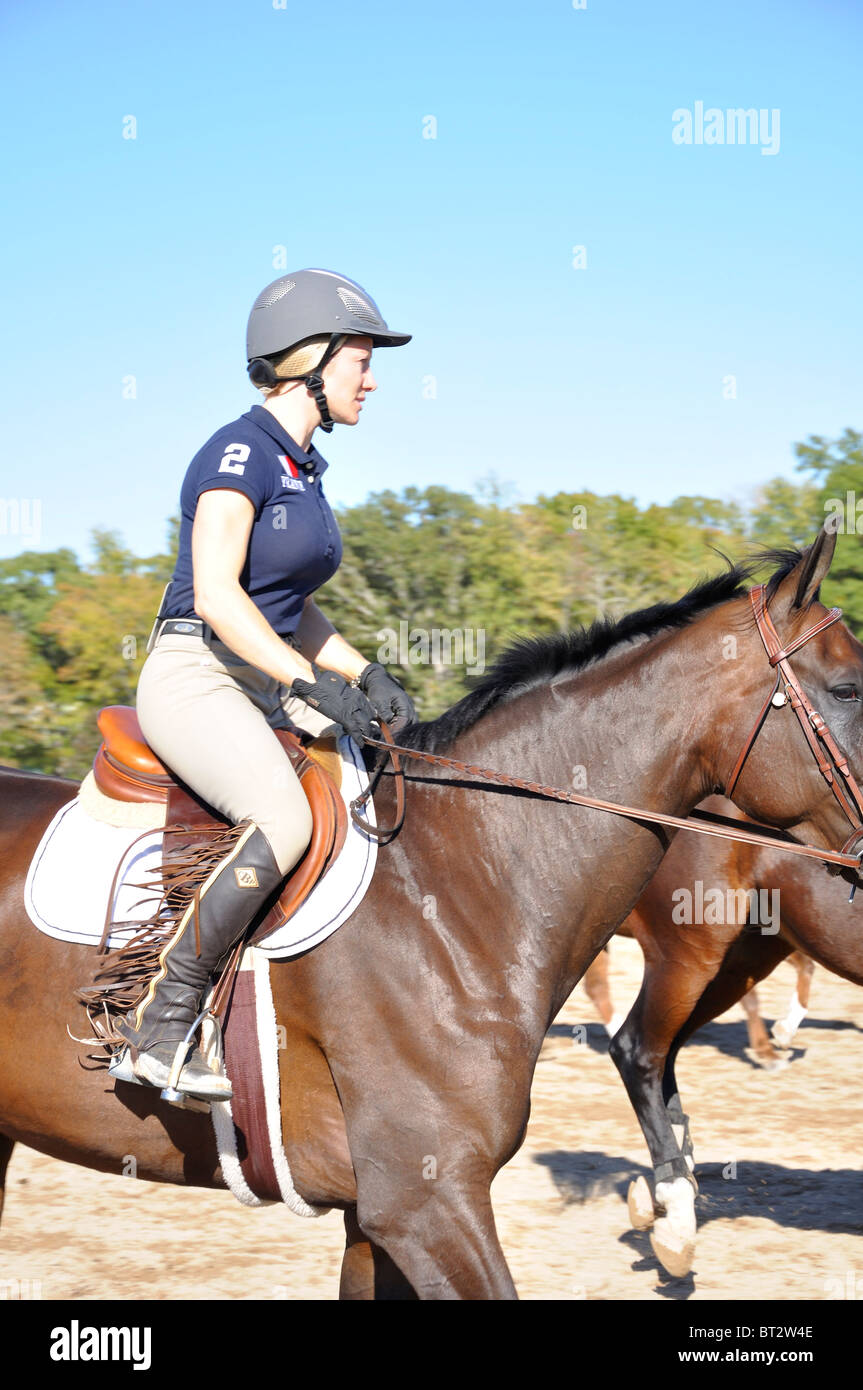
x,y
433,583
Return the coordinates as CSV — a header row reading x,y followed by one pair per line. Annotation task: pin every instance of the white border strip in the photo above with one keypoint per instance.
x,y
269,1045
223,1119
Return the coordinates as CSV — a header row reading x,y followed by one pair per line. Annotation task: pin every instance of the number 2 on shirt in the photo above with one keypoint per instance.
x,y
234,458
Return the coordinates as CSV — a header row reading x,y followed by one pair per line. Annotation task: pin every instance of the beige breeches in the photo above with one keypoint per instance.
x,y
210,717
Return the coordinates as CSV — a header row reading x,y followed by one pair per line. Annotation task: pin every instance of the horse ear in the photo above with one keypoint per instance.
x,y
801,586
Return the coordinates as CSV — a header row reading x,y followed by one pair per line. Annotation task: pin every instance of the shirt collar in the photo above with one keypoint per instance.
x,y
266,421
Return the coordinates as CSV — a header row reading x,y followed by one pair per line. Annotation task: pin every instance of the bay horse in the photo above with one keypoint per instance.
x,y
597,986
413,1032
694,971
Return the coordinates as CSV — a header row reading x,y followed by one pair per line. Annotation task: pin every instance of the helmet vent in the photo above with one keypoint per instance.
x,y
274,293
359,308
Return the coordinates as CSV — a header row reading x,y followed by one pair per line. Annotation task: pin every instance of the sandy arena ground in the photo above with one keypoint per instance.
x,y
780,1208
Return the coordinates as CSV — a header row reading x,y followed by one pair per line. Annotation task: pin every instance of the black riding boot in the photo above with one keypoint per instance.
x,y
229,900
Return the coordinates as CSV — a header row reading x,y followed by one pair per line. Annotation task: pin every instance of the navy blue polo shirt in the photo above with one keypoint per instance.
x,y
294,546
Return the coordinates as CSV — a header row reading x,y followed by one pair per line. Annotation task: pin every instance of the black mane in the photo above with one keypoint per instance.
x,y
530,661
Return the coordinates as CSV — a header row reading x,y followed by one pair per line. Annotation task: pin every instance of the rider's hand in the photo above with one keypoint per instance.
x,y
338,700
387,696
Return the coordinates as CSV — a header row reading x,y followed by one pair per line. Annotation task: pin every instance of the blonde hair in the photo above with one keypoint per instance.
x,y
301,358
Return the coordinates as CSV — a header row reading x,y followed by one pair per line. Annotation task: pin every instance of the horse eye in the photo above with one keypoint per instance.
x,y
845,692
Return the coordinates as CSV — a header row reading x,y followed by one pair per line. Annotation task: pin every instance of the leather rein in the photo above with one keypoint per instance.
x,y
832,764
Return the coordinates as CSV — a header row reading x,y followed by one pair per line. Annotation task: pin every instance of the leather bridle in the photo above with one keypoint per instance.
x,y
832,764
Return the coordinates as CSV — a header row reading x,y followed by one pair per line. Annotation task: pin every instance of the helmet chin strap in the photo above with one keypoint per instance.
x,y
262,373
315,383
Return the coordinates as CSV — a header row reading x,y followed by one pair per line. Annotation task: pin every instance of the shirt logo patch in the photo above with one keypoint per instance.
x,y
291,477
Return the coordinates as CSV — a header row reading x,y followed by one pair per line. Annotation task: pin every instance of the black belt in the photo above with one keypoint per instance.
x,y
196,627
185,627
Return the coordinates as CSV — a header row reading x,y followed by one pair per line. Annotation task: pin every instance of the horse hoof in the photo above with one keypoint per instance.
x,y
782,1035
674,1250
767,1061
640,1204
673,1236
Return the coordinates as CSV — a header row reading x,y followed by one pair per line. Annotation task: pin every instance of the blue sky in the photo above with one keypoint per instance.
x,y
298,132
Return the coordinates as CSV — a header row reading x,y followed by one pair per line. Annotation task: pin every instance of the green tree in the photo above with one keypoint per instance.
x,y
838,470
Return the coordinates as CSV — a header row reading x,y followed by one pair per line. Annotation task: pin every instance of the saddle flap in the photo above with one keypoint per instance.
x,y
329,829
126,769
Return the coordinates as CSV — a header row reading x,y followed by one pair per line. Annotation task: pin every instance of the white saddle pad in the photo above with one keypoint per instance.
x,y
69,881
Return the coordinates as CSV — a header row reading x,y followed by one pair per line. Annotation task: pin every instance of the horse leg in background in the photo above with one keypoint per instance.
x,y
6,1147
784,1029
670,990
367,1270
647,1044
598,990
750,958
762,1049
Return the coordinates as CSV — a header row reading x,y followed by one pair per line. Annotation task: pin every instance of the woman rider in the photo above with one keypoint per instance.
x,y
242,648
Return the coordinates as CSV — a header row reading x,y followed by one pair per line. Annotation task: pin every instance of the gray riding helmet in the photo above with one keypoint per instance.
x,y
308,304
311,302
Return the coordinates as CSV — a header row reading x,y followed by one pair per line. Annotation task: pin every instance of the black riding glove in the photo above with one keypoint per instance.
x,y
387,696
339,700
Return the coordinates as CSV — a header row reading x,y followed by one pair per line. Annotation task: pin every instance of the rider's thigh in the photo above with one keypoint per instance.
x,y
205,720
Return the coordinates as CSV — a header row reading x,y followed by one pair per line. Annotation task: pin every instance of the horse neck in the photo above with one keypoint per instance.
x,y
640,727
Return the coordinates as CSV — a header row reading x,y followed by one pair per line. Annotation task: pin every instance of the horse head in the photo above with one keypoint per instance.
x,y
800,767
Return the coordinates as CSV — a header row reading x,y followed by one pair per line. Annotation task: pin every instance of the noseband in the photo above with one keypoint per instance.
x,y
832,763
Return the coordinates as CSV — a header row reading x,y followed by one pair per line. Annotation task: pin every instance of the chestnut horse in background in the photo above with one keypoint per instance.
x,y
597,987
413,1032
694,971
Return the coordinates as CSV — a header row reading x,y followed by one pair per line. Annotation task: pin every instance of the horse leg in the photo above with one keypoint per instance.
x,y
678,1120
750,959
798,1006
425,1156
760,1045
439,1233
6,1147
598,990
639,1050
367,1270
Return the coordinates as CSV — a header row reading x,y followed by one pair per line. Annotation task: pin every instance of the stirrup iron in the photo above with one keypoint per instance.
x,y
214,1052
